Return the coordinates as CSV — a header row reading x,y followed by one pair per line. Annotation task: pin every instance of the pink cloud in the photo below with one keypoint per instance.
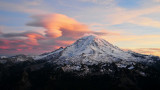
x,y
58,25
33,38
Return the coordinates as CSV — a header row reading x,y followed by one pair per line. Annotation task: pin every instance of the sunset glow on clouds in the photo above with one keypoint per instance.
x,y
38,26
149,51
57,25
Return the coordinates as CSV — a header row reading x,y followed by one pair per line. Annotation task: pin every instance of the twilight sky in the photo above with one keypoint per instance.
x,y
38,26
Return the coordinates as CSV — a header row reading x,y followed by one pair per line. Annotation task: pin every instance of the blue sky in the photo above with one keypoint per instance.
x,y
129,3
136,20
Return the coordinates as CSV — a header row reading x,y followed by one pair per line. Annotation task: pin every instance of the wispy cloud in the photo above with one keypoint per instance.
x,y
30,38
156,0
29,7
134,41
104,2
122,15
149,51
143,21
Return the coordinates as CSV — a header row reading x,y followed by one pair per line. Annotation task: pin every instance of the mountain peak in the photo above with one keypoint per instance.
x,y
95,48
91,37
93,41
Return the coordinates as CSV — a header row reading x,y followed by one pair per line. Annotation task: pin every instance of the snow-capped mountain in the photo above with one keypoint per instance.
x,y
92,49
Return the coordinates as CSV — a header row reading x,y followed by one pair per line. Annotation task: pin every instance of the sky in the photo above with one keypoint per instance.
x,y
33,27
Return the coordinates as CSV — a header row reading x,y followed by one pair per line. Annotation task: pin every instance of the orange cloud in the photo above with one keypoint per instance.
x,y
32,37
57,25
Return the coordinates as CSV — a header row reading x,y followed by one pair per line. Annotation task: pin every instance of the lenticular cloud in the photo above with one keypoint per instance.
x,y
57,25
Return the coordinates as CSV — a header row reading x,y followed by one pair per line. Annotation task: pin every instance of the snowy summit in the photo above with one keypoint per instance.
x,y
94,48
